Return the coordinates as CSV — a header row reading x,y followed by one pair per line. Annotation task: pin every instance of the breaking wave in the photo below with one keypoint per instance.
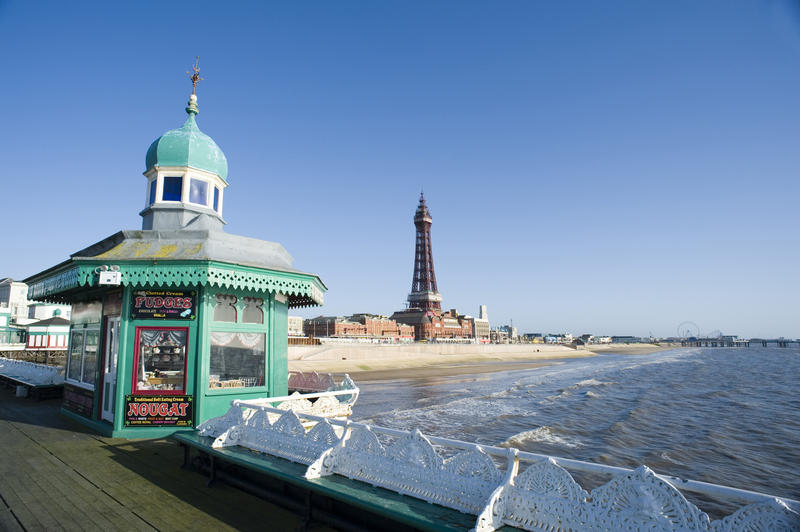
x,y
540,435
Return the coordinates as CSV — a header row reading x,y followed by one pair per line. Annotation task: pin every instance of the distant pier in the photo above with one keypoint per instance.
x,y
736,342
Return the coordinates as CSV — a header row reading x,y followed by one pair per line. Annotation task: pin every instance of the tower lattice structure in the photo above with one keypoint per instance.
x,y
424,294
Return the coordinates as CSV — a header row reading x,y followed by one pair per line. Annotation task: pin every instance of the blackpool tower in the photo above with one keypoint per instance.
x,y
424,295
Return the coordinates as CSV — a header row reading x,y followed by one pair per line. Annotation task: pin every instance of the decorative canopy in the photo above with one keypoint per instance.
x,y
64,283
181,258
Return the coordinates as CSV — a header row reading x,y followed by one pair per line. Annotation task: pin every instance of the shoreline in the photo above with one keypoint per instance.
x,y
379,362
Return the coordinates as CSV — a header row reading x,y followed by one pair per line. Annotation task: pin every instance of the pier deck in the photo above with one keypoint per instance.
x,y
57,475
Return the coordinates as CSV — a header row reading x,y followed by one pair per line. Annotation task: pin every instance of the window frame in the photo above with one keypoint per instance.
x,y
80,382
238,326
265,339
135,372
208,186
151,196
164,179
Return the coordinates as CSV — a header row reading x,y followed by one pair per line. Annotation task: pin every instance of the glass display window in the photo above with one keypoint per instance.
x,y
91,345
160,360
238,360
82,355
74,362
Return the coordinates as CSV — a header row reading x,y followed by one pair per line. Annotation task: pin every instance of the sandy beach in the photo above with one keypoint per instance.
x,y
381,362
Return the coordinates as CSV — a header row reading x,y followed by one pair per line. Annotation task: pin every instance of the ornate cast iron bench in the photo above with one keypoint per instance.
x,y
489,483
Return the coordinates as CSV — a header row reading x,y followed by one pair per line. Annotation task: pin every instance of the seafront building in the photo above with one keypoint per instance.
x,y
50,334
172,322
506,334
364,326
29,325
38,310
482,330
11,335
14,297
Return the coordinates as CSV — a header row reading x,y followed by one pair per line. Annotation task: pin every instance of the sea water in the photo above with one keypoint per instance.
x,y
725,416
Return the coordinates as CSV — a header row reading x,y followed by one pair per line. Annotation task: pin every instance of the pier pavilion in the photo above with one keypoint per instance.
x,y
173,321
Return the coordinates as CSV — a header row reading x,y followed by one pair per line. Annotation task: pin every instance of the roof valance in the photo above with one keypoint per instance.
x,y
301,290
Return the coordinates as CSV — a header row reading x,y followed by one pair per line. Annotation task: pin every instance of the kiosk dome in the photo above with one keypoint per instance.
x,y
187,146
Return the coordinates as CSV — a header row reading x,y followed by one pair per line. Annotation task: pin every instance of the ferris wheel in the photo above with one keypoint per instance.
x,y
688,329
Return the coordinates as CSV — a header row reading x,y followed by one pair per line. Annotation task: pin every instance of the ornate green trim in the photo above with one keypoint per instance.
x,y
301,289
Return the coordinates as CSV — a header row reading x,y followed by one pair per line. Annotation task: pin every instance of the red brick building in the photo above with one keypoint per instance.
x,y
367,326
432,325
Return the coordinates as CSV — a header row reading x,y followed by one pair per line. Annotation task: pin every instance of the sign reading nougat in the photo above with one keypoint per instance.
x,y
158,410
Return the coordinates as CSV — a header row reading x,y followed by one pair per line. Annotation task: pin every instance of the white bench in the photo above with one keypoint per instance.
x,y
490,483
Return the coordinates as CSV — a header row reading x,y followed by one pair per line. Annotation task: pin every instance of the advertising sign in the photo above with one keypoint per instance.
x,y
158,410
163,305
78,400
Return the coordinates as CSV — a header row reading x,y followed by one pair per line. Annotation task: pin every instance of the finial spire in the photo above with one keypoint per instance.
x,y
192,109
195,77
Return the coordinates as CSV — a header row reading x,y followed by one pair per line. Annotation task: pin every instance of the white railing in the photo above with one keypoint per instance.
x,y
489,482
336,403
312,381
29,372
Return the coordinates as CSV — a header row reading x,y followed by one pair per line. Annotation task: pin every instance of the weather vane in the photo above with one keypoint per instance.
x,y
196,76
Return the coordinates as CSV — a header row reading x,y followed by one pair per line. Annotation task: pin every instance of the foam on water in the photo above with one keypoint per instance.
x,y
592,382
539,435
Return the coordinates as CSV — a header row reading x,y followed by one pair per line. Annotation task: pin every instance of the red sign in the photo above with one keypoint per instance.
x,y
158,410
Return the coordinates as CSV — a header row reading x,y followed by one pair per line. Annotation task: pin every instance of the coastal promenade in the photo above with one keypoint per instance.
x,y
56,475
392,361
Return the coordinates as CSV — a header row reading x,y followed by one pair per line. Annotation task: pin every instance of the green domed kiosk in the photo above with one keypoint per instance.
x,y
172,322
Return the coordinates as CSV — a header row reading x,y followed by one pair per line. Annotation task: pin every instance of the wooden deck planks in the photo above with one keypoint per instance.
x,y
56,475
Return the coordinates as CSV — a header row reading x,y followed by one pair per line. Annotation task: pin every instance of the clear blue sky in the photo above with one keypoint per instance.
x,y
603,167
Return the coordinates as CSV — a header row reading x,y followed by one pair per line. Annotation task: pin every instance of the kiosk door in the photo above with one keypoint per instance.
x,y
110,369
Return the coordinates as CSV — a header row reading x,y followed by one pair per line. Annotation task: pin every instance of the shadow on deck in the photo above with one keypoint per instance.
x,y
58,475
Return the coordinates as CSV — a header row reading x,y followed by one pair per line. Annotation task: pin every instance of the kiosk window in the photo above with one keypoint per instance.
x,y
75,352
82,355
225,308
252,312
90,355
198,191
161,360
237,360
173,188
